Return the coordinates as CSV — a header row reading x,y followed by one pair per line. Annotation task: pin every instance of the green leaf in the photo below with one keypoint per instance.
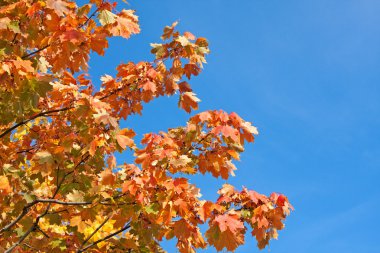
x,y
19,231
245,213
9,169
84,10
41,87
55,219
68,187
58,243
29,198
14,26
158,50
152,208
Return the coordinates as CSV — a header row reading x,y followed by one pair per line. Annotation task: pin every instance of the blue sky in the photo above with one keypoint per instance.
x,y
306,73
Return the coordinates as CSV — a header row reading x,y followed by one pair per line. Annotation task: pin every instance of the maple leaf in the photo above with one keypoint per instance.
x,y
227,131
43,64
183,160
234,154
205,210
23,66
107,177
59,134
73,36
75,196
44,157
124,138
182,207
124,141
106,17
4,22
59,6
104,117
125,25
188,101
226,239
189,35
204,116
249,128
181,229
227,189
228,221
158,49
168,31
5,188
149,86
183,40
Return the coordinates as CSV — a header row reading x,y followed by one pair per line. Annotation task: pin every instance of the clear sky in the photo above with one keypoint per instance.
x,y
307,74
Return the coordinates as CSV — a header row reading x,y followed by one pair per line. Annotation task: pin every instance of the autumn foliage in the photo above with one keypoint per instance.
x,y
61,187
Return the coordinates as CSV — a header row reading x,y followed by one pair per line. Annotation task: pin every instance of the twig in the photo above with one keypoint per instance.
x,y
32,228
42,232
54,201
35,52
105,238
88,19
14,39
48,45
25,210
96,230
32,118
29,246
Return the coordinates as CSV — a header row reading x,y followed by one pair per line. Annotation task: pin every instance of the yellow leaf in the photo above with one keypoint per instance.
x,y
5,188
75,196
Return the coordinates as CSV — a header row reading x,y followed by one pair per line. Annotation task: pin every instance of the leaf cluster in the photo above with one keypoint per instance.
x,y
61,187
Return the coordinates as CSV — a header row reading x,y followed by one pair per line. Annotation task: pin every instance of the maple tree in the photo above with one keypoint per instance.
x,y
61,188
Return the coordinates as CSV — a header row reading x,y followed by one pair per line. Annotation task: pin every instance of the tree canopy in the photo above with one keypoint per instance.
x,y
61,187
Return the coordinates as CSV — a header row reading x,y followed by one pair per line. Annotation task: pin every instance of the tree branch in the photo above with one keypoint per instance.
x,y
46,212
55,201
42,232
96,230
35,52
31,229
32,118
48,45
112,93
25,210
89,18
29,246
105,238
